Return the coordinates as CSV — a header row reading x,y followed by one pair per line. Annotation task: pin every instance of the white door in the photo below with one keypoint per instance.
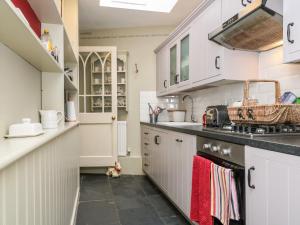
x,y
272,193
291,30
98,106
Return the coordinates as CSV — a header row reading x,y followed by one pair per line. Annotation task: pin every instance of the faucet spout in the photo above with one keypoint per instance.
x,y
192,114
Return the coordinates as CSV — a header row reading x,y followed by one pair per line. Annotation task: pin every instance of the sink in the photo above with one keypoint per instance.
x,y
179,124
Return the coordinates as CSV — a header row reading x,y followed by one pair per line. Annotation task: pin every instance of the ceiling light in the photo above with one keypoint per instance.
x,y
165,6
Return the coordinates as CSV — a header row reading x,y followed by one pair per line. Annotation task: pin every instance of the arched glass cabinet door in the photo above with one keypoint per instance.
x,y
98,103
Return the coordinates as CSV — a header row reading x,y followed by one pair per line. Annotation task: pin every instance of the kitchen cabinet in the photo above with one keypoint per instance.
x,y
272,190
196,62
232,7
291,31
169,159
162,70
212,63
179,60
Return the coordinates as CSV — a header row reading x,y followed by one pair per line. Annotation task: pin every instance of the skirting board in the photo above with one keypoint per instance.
x,y
75,208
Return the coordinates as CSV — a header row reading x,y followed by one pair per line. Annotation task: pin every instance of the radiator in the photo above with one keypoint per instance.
x,y
122,138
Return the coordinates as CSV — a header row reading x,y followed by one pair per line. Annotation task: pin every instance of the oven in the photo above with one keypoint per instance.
x,y
231,156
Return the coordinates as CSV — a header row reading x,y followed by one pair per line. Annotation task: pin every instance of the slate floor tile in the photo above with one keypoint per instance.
x,y
147,185
162,206
139,216
175,220
124,202
97,213
95,188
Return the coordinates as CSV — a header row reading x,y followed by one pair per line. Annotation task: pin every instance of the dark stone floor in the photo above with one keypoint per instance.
x,y
129,200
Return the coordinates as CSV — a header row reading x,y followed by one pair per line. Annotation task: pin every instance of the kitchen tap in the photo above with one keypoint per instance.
x,y
192,114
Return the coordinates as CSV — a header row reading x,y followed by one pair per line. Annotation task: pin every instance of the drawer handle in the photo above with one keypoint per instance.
x,y
179,140
243,3
289,33
146,133
146,164
252,186
146,144
146,154
157,139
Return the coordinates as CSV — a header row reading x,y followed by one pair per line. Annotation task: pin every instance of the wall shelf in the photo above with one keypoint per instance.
x,y
18,36
69,85
47,12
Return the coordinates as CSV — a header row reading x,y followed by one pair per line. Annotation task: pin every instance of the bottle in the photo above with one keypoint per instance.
x,y
46,40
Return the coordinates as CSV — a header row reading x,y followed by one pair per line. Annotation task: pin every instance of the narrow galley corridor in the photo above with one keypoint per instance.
x,y
128,200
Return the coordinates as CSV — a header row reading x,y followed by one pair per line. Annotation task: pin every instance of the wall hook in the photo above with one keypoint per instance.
x,y
136,68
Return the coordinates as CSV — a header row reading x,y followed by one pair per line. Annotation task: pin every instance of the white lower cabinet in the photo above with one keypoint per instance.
x,y
272,188
169,163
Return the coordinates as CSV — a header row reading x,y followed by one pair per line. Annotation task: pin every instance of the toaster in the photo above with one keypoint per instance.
x,y
217,116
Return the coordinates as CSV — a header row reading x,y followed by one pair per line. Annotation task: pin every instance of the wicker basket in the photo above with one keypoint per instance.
x,y
264,114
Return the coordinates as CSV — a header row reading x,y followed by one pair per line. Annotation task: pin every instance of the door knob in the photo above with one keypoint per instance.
x,y
113,117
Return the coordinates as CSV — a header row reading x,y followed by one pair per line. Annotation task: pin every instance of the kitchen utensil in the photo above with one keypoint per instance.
x,y
277,113
25,129
217,116
71,112
176,115
50,118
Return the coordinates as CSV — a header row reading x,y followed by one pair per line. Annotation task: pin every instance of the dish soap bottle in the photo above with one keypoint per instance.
x,y
46,40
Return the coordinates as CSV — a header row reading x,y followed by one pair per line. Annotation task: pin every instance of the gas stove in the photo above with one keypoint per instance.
x,y
257,130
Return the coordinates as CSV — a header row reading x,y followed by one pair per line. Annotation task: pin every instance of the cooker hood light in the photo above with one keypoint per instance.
x,y
165,6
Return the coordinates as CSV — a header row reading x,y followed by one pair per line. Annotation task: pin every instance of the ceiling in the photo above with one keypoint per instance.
x,y
92,16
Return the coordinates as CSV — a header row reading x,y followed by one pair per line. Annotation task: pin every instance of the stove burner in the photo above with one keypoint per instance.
x,y
258,130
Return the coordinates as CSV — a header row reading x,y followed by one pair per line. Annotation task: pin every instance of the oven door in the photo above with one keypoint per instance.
x,y
239,174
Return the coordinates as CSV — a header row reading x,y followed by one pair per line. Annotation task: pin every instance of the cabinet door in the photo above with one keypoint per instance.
x,y
174,77
214,51
274,198
162,68
232,7
291,26
184,59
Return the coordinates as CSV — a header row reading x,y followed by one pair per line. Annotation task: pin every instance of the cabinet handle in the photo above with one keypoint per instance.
x,y
243,3
146,154
165,83
289,33
146,133
252,186
145,164
146,144
217,62
177,79
179,140
156,139
249,1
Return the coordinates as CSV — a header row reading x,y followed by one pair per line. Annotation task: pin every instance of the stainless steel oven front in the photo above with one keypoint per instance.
x,y
231,156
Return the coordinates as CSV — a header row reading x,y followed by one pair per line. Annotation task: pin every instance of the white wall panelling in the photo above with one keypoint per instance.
x,y
42,187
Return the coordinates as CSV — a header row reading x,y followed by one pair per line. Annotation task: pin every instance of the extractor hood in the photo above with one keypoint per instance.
x,y
258,27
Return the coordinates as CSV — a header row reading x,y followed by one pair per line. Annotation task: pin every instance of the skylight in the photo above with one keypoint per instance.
x,y
165,6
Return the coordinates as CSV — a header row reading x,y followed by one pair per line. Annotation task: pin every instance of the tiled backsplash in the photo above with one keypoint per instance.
x,y
270,67
150,97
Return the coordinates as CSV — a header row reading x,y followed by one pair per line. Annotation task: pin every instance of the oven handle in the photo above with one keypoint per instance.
x,y
252,186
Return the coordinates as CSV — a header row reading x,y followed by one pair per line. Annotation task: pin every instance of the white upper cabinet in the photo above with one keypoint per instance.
x,y
291,26
194,62
179,60
162,70
232,7
272,188
210,62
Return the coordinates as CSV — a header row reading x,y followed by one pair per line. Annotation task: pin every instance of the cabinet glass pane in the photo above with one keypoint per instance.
x,y
173,65
184,59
